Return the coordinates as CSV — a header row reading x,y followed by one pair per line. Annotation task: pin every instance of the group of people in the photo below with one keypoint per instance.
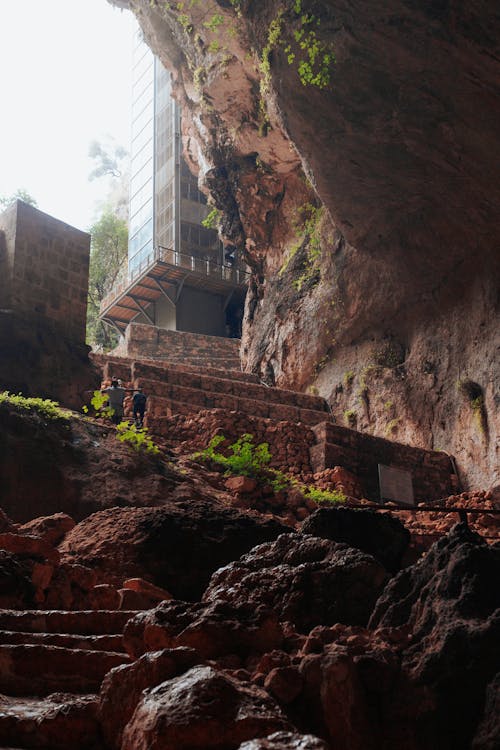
x,y
116,396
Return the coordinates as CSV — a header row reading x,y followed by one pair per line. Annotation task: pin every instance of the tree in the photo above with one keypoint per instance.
x,y
20,194
110,159
108,261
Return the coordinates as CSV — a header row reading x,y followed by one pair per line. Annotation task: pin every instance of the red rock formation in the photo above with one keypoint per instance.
x,y
204,708
176,547
306,580
451,607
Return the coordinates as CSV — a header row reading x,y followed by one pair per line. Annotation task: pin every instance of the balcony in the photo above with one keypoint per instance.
x,y
164,272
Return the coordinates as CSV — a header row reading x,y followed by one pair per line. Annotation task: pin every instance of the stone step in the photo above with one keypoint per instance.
x,y
68,640
150,342
57,722
167,371
155,383
42,670
195,401
86,622
122,367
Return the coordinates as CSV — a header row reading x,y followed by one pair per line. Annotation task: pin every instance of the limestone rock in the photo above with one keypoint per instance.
x,y
380,535
306,580
201,709
176,547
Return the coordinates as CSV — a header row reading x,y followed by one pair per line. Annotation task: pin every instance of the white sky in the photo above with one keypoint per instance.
x,y
64,81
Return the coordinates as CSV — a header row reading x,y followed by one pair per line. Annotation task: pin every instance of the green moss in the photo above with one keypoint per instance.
x,y
474,394
350,418
348,378
213,219
136,437
44,407
392,427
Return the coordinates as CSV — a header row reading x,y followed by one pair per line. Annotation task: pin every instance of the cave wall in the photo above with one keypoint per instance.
x,y
366,209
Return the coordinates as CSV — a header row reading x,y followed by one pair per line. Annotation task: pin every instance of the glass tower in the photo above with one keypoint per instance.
x,y
178,274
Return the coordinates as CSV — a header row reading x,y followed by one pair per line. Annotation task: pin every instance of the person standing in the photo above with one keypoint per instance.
x,y
139,407
116,397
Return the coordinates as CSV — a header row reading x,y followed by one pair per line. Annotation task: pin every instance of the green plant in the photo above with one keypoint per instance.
x,y
350,417
392,426
214,46
185,22
99,403
308,237
323,496
214,22
247,459
44,407
199,77
213,219
136,437
475,396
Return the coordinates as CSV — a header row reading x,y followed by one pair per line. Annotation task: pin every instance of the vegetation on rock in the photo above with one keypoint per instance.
x,y
44,407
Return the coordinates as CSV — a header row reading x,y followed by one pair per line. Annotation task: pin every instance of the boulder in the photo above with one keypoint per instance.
x,y
52,529
285,741
29,547
103,596
122,687
212,629
451,605
305,580
155,593
202,709
487,735
176,547
5,523
16,588
379,534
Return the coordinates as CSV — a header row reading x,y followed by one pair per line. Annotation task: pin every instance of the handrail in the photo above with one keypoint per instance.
x,y
236,272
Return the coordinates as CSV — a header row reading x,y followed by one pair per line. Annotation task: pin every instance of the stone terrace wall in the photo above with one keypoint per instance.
x,y
44,268
149,342
361,453
289,443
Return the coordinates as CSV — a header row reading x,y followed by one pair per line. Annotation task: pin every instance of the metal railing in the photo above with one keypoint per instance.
x,y
235,273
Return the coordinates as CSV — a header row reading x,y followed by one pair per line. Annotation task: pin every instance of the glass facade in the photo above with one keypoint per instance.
x,y
141,240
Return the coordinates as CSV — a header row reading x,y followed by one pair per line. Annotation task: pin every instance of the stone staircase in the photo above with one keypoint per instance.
x,y
187,389
180,347
180,374
52,664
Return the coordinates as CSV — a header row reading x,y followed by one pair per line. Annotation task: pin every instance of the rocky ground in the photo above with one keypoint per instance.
x,y
213,616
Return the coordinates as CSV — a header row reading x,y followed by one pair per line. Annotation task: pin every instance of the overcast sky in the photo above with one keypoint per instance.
x,y
64,81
